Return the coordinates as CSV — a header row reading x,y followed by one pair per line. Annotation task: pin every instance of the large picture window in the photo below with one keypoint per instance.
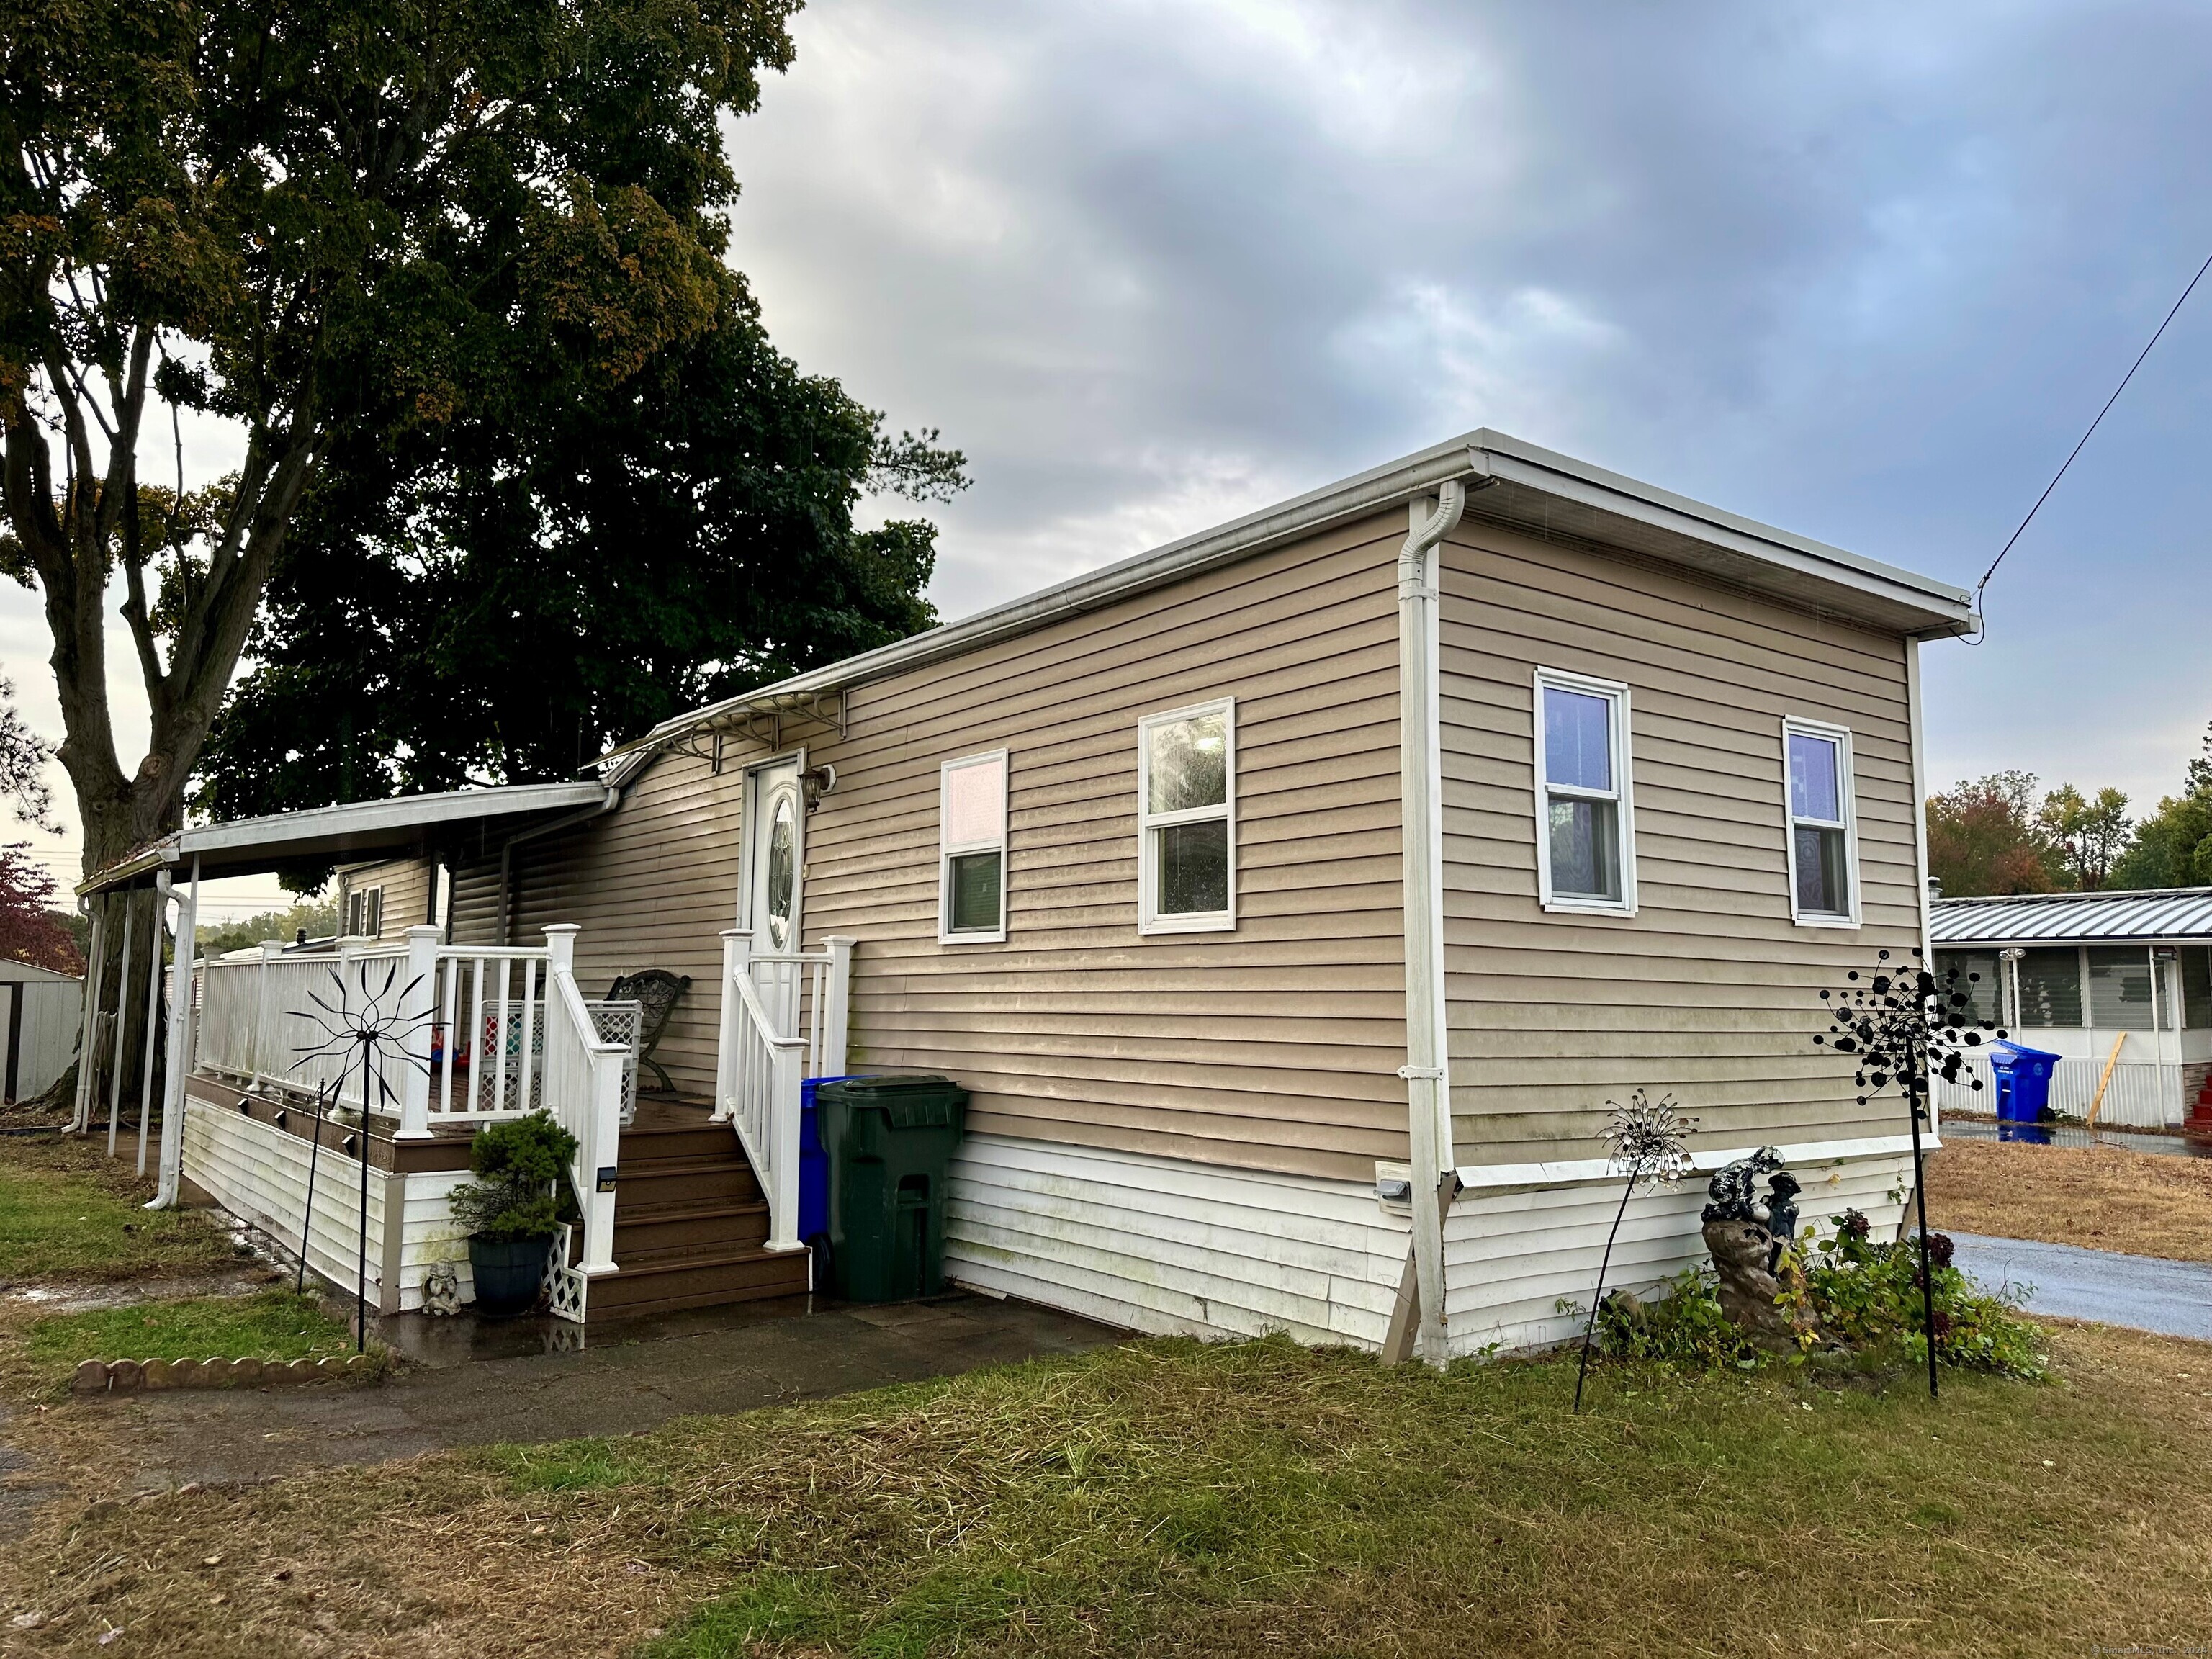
x,y
1187,820
972,850
1585,817
1823,843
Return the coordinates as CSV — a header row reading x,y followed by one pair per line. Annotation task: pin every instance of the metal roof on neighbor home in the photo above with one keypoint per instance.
x,y
1539,492
2168,913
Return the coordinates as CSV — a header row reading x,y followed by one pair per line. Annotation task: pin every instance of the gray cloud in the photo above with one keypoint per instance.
x,y
1864,274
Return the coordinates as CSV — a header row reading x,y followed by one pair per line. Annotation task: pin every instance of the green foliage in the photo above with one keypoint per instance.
x,y
275,1324
2087,836
319,917
1868,1296
520,1164
502,598
1683,1327
1843,1290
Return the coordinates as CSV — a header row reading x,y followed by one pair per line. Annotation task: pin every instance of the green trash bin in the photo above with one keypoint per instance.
x,y
889,1139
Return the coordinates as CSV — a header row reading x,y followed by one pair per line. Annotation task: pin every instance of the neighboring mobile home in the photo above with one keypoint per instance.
x,y
1371,842
2118,985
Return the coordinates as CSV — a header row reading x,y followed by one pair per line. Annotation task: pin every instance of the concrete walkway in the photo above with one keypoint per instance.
x,y
2147,1293
619,1380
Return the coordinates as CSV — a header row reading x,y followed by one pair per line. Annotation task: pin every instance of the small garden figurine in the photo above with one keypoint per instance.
x,y
1647,1140
1910,1026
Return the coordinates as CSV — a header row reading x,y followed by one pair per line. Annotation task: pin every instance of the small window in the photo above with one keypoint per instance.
x,y
2050,980
1585,822
972,850
365,912
1187,820
1823,845
2120,998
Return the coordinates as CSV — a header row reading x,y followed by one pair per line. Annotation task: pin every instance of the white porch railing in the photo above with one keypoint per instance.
x,y
783,1021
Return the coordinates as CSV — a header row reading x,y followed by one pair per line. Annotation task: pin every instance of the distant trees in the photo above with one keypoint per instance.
x,y
1986,836
2087,837
2172,847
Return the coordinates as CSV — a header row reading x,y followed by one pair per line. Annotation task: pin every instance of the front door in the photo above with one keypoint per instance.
x,y
774,863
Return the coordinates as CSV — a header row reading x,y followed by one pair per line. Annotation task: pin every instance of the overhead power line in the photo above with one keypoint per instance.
x,y
2170,315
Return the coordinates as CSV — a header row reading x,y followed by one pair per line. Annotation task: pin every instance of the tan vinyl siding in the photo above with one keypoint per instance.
x,y
406,885
1274,1047
653,884
1709,991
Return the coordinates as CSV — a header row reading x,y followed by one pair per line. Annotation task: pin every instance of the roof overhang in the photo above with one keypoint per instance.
x,y
1518,485
360,830
2159,915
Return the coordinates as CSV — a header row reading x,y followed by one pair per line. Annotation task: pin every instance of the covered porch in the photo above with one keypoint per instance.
x,y
346,1150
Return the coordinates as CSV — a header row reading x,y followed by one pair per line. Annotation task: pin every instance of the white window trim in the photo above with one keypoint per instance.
x,y
946,851
1623,792
1848,801
364,896
1209,921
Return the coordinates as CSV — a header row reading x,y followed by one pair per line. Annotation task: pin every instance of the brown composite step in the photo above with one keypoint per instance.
x,y
690,1221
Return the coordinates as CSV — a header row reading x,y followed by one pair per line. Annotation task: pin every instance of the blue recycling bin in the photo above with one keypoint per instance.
x,y
813,1167
2023,1075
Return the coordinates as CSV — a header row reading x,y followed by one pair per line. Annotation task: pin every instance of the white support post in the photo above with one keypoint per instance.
x,y
418,1003
783,1162
153,1011
835,1024
180,1046
122,1025
735,945
268,1064
87,1042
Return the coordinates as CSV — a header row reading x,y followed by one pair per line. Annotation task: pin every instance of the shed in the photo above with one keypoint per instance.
x,y
2120,985
39,1012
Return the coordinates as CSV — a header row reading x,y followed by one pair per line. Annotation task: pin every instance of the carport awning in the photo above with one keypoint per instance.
x,y
360,831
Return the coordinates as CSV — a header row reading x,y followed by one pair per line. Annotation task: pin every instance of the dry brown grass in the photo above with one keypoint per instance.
x,y
2101,1197
1169,1499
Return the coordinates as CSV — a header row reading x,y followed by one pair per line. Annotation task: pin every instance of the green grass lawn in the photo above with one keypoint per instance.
x,y
1167,1498
67,1213
275,1324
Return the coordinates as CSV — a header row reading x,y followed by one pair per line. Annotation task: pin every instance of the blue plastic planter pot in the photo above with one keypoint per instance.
x,y
508,1272
2022,1076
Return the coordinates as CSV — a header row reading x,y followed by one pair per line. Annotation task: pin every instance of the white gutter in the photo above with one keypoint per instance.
x,y
1420,764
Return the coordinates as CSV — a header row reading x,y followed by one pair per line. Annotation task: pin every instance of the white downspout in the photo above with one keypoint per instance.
x,y
1420,754
181,1021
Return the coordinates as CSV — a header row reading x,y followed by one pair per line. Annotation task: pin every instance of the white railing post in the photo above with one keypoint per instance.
x,y
561,945
839,1013
735,944
267,1065
783,1162
419,1004
603,1144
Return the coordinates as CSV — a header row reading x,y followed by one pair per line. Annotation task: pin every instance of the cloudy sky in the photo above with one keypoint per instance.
x,y
1864,273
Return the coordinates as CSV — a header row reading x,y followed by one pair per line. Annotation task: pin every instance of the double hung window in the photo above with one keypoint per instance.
x,y
1823,840
972,850
1585,815
1187,820
364,917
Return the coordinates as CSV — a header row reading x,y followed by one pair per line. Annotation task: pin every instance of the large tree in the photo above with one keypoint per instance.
x,y
329,223
498,600
2174,845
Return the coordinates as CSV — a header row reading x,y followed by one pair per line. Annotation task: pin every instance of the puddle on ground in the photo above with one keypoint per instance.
x,y
90,1298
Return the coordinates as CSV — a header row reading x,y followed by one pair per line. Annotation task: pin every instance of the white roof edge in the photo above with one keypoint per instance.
x,y
1479,453
394,811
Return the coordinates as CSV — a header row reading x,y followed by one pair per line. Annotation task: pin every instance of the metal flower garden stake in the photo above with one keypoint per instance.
x,y
376,1031
1908,1025
1648,1140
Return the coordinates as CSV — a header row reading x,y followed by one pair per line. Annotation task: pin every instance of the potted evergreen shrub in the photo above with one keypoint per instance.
x,y
513,1208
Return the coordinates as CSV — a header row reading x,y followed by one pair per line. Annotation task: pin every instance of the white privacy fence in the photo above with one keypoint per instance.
x,y
2137,1095
784,1019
